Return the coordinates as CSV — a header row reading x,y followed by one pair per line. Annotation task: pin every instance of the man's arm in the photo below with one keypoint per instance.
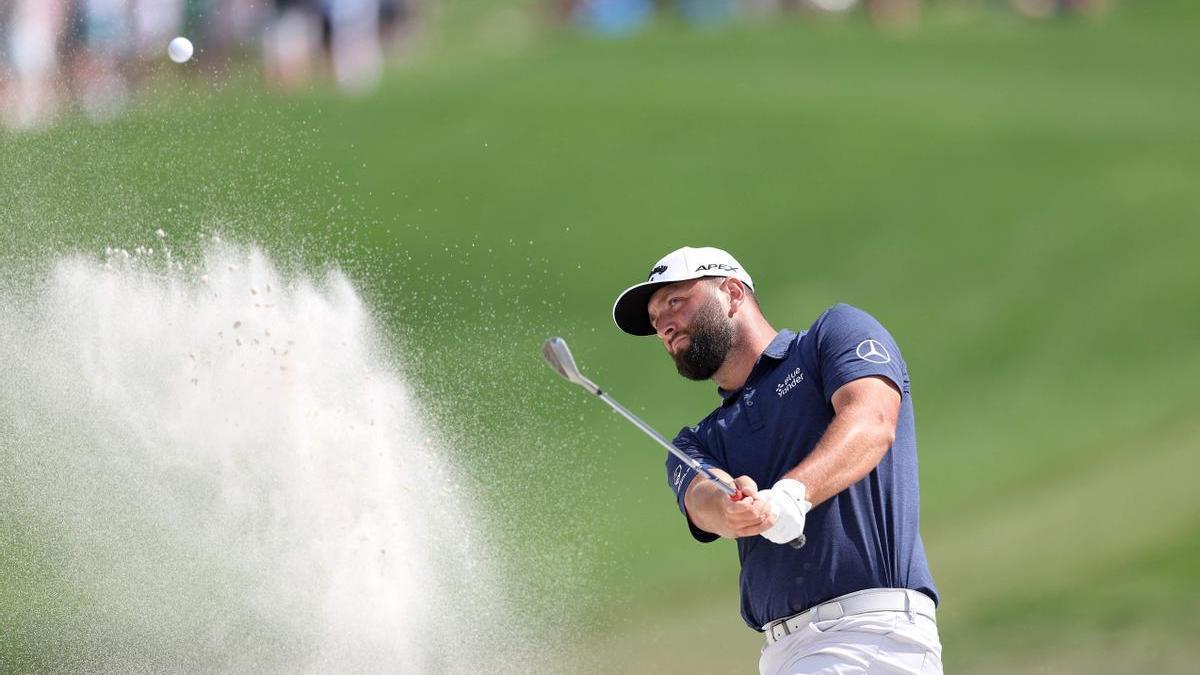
x,y
862,431
712,511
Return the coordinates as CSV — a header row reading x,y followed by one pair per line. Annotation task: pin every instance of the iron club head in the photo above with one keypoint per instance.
x,y
558,355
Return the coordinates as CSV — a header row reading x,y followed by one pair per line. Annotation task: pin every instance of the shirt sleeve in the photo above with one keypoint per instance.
x,y
852,344
680,476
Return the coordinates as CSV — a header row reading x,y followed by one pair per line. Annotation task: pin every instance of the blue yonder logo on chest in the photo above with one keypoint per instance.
x,y
790,382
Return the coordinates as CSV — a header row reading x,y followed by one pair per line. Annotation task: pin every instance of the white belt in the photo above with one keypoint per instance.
x,y
859,602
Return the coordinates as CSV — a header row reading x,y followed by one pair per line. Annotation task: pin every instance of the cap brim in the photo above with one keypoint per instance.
x,y
629,311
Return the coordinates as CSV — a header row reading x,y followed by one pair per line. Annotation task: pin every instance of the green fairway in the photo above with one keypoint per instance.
x,y
1017,203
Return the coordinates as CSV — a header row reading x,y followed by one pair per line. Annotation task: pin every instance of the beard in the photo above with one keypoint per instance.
x,y
710,339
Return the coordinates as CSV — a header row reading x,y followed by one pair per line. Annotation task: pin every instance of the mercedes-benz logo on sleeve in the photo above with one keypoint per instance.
x,y
873,351
677,478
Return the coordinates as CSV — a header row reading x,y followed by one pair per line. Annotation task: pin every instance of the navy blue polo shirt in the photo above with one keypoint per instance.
x,y
867,536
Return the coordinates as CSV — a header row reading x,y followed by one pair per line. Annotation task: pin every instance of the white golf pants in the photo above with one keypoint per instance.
x,y
874,643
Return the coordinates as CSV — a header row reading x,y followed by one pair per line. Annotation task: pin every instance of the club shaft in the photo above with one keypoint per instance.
x,y
683,457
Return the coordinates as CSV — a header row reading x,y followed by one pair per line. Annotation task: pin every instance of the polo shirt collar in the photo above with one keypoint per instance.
x,y
776,351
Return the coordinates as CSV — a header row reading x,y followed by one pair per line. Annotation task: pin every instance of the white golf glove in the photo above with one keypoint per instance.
x,y
787,501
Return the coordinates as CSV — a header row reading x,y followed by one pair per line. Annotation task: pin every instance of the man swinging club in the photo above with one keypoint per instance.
x,y
823,419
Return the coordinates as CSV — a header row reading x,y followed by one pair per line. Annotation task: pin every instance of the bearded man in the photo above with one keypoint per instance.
x,y
833,570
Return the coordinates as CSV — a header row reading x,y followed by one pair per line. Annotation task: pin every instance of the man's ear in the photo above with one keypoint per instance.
x,y
737,293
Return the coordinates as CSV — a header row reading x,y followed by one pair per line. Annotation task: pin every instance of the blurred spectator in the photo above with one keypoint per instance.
x,y
701,12
1039,9
898,15
354,49
290,43
766,7
98,75
611,17
155,22
832,5
226,29
30,91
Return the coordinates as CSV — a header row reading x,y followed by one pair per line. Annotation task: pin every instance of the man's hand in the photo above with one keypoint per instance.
x,y
788,505
751,514
713,511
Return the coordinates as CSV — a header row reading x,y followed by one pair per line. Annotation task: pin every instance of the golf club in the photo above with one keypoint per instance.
x,y
558,355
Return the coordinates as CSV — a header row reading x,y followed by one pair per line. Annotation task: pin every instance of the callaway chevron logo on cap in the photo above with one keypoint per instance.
x,y
629,311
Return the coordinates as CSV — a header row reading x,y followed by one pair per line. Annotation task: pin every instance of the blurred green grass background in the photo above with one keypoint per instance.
x,y
1016,201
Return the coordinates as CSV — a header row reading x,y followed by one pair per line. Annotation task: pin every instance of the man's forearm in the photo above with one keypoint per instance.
x,y
704,502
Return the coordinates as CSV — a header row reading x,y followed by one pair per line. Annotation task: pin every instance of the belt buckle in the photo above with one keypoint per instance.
x,y
785,631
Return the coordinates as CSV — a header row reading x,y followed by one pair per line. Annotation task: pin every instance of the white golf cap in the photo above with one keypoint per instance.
x,y
629,311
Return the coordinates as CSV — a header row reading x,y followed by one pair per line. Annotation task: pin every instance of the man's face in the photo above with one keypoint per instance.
x,y
691,320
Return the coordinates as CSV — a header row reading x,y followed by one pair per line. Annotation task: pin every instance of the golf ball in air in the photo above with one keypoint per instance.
x,y
179,49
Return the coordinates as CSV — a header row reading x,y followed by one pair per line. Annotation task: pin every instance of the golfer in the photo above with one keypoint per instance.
x,y
816,430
